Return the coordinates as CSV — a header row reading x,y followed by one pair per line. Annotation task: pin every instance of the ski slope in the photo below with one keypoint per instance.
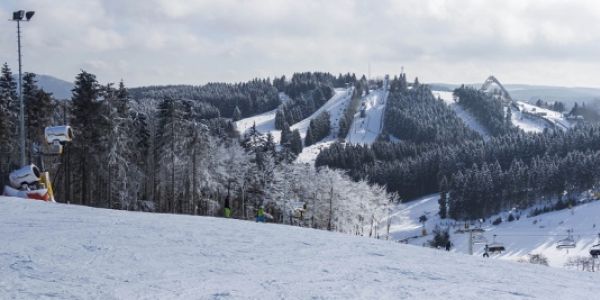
x,y
464,115
72,252
548,116
366,130
520,237
264,122
524,118
335,106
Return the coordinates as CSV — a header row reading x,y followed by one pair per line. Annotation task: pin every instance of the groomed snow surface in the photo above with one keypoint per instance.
x,y
466,116
536,235
335,106
366,130
71,252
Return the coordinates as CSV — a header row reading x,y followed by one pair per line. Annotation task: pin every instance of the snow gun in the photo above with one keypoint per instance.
x,y
31,182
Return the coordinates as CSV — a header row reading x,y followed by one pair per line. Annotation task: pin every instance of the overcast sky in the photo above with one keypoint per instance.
x,y
195,41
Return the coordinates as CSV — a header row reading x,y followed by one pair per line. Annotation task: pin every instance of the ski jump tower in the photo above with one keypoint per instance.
x,y
503,93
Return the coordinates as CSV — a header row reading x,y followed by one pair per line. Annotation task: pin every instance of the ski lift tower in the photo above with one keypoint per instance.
x,y
19,16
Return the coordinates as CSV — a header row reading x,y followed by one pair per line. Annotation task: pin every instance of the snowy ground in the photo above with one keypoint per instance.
x,y
366,130
520,237
552,116
466,116
265,123
526,122
72,252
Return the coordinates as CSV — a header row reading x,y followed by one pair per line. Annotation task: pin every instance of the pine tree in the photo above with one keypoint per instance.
x,y
88,123
279,119
8,91
237,114
38,111
443,201
286,134
296,142
270,144
343,127
8,120
308,140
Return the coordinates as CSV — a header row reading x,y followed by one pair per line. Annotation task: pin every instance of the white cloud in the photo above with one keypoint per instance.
x,y
187,41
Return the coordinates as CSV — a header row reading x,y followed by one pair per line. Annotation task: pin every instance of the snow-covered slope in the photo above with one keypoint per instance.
x,y
466,116
548,116
366,130
265,123
73,252
538,234
529,118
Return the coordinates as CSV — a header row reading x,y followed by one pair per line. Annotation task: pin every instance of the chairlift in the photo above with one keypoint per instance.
x,y
496,246
595,251
478,237
568,242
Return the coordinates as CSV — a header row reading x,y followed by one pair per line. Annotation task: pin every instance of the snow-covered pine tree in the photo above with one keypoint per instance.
x,y
38,112
237,114
296,142
8,123
89,124
443,201
286,134
125,178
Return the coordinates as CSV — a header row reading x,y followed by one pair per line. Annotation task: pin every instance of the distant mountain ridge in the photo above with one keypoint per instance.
x,y
60,89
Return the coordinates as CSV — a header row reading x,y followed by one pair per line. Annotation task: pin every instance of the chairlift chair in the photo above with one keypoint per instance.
x,y
496,246
595,251
568,242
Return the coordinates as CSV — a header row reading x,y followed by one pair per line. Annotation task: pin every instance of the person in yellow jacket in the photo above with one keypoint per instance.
x,y
227,209
260,214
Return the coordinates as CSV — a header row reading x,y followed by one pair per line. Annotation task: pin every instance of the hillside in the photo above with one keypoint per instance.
x,y
528,117
366,130
335,106
466,116
73,252
538,234
531,93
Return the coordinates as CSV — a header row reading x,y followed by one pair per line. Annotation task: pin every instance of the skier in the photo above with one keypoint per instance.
x,y
486,254
448,245
227,210
260,214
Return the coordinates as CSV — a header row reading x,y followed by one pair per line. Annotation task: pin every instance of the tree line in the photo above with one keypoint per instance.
x,y
535,165
169,152
416,115
487,109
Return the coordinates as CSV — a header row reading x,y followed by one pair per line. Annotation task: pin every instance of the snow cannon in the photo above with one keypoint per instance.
x,y
27,175
59,134
39,194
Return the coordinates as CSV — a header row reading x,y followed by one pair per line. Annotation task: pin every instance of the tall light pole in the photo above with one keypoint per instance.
x,y
19,16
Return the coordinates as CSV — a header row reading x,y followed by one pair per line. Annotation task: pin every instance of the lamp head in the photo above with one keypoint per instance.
x,y
29,15
18,15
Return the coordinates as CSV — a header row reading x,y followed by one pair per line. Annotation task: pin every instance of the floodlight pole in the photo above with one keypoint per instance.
x,y
21,104
19,16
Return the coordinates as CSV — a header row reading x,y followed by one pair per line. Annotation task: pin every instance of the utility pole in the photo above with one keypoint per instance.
x,y
19,16
470,242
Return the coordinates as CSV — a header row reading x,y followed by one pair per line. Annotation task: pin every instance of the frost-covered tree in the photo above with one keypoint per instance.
x,y
88,123
38,112
296,142
237,114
